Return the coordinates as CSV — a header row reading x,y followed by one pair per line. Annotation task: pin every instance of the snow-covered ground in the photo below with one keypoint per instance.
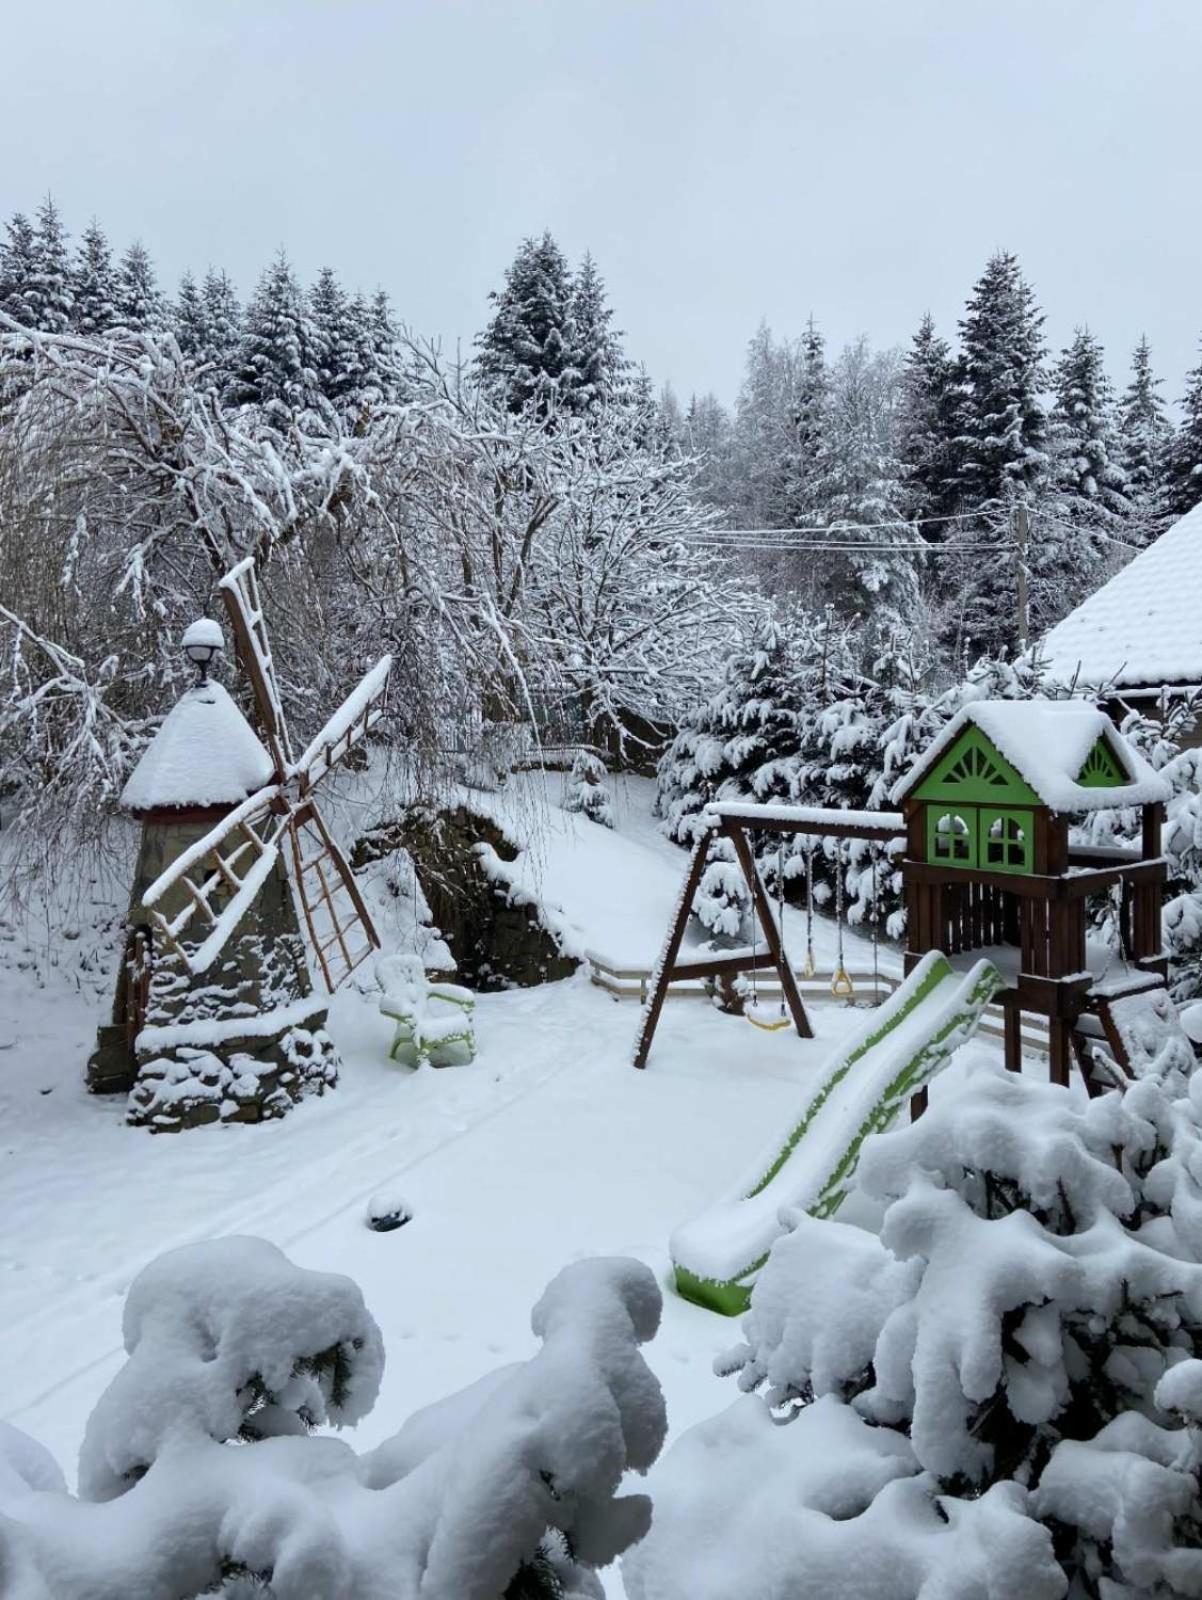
x,y
549,1147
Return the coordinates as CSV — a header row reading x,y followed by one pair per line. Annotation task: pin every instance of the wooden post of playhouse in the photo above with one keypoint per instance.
x,y
667,960
763,910
1012,1019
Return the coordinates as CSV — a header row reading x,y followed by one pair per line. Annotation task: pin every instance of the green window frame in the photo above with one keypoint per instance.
x,y
1006,840
951,836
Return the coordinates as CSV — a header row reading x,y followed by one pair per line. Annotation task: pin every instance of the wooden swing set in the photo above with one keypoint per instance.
x,y
739,823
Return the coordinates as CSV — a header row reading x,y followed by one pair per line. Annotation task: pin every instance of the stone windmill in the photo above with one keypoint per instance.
x,y
216,1015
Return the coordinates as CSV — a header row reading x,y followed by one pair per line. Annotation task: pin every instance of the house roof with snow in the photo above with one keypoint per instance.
x,y
1144,627
1053,746
205,754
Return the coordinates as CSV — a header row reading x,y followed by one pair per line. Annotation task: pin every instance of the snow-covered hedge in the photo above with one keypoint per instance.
x,y
999,1397
199,1469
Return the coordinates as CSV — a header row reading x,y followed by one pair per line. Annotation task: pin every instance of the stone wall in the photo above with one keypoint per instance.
x,y
496,944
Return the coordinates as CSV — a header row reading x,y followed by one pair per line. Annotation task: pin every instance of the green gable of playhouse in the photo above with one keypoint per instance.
x,y
1102,769
973,772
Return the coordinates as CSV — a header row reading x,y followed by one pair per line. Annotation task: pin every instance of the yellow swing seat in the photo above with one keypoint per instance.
x,y
841,985
768,1022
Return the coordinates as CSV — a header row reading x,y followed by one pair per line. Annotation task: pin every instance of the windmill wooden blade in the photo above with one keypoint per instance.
x,y
341,932
211,886
354,719
240,591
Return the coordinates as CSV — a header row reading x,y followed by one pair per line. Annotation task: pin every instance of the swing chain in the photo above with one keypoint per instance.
x,y
841,985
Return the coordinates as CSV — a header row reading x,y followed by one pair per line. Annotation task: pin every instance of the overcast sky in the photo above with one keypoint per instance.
x,y
723,159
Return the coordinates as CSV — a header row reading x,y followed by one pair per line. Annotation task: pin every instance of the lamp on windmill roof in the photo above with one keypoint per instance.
x,y
202,640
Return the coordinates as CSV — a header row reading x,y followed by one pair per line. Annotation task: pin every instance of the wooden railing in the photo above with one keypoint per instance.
x,y
632,983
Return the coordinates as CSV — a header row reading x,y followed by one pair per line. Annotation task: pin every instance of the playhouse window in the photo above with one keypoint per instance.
x,y
1007,838
951,838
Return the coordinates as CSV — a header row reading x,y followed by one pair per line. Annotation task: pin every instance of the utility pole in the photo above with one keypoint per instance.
x,y
1021,539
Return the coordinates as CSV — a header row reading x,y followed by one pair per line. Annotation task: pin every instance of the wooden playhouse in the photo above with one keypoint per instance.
x,y
990,861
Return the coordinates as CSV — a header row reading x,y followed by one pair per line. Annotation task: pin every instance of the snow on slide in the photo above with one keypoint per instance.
x,y
863,1087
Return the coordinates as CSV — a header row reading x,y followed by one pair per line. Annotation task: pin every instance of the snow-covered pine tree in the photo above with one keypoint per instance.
x,y
762,434
859,497
669,424
809,426
223,328
600,364
273,367
48,290
741,744
188,322
525,354
929,426
384,376
1145,438
140,305
1183,477
16,268
1003,445
1071,556
93,284
335,357
709,436
586,790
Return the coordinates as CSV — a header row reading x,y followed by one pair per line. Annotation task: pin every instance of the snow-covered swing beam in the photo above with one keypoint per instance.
x,y
735,821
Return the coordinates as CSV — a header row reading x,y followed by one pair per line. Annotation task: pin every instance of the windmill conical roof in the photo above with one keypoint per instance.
x,y
205,754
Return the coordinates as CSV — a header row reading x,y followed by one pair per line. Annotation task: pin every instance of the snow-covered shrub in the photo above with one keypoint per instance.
x,y
586,791
1025,1312
722,904
510,1484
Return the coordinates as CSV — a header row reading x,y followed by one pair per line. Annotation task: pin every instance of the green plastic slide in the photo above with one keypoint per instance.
x,y
903,1045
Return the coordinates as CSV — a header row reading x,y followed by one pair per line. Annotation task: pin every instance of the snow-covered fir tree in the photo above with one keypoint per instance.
x,y
47,295
526,354
598,359
188,321
94,284
928,428
1003,447
709,438
384,380
140,304
1072,551
1145,436
273,366
222,317
1005,427
1090,475
809,402
17,268
586,789
859,497
761,434
336,342
1183,476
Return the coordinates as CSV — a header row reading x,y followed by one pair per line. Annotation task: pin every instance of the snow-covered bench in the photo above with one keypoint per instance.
x,y
433,1020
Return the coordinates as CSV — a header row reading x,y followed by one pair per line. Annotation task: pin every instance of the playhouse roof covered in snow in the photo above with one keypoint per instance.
x,y
1048,743
205,754
1144,627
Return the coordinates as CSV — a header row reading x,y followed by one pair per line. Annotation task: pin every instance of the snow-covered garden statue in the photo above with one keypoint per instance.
x,y
215,1015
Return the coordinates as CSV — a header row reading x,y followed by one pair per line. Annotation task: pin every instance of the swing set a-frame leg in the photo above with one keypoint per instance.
x,y
763,910
671,950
